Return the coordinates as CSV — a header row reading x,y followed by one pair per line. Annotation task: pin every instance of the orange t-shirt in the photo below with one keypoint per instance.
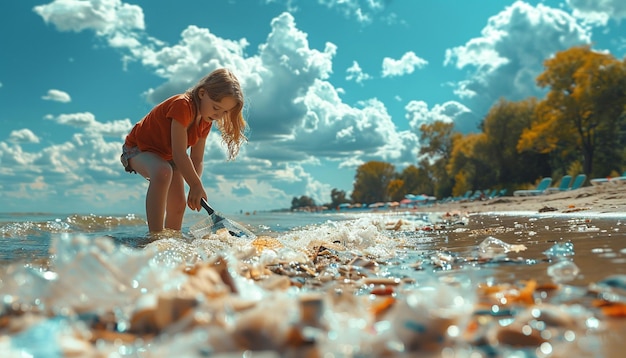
x,y
154,132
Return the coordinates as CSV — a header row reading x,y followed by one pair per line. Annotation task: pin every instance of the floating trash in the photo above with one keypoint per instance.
x,y
492,248
563,271
565,249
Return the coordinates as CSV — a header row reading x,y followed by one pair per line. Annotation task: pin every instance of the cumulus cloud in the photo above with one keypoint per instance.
x,y
598,12
105,17
23,136
364,11
88,122
509,54
72,166
120,24
418,113
405,65
356,74
57,96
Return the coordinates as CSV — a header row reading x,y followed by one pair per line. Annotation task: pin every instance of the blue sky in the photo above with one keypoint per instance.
x,y
329,84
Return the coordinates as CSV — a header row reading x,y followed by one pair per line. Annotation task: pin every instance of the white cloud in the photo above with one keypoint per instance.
x,y
13,157
405,65
121,24
80,120
364,11
598,12
418,113
88,122
197,53
105,17
356,74
85,168
23,136
57,96
509,55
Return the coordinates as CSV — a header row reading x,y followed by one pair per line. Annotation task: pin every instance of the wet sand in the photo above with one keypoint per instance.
x,y
591,218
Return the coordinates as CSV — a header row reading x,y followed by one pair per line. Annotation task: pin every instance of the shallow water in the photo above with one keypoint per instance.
x,y
27,236
412,247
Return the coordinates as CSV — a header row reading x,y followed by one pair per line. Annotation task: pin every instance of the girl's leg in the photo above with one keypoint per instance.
x,y
176,202
159,172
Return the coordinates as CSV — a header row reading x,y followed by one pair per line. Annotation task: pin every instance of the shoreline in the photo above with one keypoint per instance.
x,y
598,200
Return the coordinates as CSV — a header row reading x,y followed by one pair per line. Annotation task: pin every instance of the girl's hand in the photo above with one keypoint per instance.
x,y
196,193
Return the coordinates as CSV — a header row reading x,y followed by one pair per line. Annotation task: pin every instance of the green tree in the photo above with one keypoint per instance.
x,y
337,197
302,202
372,181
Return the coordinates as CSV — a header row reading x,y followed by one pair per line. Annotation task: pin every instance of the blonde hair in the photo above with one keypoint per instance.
x,y
219,84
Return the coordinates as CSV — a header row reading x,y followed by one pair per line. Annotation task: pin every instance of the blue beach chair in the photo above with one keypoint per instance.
x,y
578,182
543,185
563,185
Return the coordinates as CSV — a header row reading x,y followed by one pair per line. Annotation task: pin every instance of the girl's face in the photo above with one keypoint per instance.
x,y
211,110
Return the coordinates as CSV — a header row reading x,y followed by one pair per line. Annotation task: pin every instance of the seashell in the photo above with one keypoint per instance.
x,y
263,243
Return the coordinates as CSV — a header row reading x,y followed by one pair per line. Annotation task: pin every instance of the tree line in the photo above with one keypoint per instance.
x,y
579,126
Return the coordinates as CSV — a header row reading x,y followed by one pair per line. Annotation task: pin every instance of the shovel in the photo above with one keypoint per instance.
x,y
217,221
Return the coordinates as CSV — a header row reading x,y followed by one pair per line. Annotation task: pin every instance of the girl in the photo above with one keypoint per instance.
x,y
157,145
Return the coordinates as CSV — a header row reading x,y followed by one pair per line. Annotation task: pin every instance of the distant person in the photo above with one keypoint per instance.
x,y
157,145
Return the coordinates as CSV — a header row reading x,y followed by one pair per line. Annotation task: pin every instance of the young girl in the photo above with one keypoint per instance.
x,y
157,145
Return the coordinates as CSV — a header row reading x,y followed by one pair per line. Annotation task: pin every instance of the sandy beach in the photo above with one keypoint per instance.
x,y
601,199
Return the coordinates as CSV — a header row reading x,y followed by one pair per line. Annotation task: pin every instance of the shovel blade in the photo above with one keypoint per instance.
x,y
215,222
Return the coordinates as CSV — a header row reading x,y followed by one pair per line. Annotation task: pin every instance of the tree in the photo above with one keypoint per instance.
x,y
302,202
417,180
337,197
467,165
583,106
436,147
372,181
504,124
396,190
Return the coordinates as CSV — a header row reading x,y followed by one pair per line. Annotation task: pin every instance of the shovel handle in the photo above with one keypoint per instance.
x,y
206,206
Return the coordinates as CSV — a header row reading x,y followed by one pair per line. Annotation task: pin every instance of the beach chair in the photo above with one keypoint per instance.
x,y
578,181
600,181
479,195
464,197
543,185
563,185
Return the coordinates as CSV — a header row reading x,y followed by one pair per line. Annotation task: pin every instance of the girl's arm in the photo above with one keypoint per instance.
x,y
186,167
197,155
